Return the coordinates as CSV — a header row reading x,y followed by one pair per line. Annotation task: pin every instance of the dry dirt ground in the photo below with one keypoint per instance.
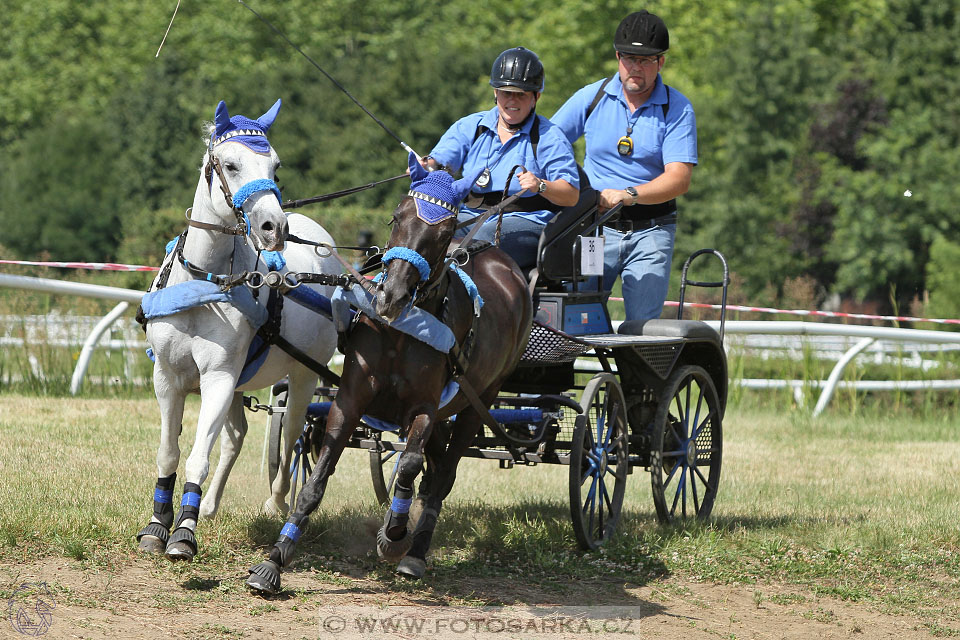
x,y
142,598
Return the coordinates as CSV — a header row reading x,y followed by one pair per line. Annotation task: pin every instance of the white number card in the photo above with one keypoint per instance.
x,y
591,255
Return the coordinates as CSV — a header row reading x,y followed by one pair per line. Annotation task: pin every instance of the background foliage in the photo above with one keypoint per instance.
x,y
814,119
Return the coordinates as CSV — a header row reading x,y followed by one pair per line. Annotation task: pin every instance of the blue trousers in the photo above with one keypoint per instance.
x,y
642,260
519,236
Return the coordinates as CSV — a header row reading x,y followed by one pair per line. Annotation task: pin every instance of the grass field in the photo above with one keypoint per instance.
x,y
861,508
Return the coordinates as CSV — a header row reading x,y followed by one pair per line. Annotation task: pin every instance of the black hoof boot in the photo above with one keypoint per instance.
x,y
412,568
265,578
182,545
392,550
153,539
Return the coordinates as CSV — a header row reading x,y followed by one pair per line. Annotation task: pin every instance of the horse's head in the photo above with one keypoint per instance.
x,y
423,225
241,163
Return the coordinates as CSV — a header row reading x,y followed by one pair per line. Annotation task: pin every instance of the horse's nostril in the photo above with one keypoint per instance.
x,y
267,226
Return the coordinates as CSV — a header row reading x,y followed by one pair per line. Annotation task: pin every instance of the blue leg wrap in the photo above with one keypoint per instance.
x,y
190,503
163,500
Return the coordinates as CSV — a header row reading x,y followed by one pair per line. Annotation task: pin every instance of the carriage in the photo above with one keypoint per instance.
x,y
649,396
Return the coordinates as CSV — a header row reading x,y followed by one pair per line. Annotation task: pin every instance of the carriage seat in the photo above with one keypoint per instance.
x,y
687,329
555,259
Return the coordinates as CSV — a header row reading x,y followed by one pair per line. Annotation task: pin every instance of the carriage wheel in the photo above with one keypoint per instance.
x,y
304,455
598,462
383,468
686,447
276,433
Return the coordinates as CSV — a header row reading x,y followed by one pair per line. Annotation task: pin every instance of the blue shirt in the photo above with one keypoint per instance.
x,y
657,140
458,150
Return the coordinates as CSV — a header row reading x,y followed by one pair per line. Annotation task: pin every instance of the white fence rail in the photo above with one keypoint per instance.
x,y
843,343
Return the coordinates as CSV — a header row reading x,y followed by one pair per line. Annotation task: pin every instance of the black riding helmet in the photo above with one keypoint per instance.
x,y
517,67
641,34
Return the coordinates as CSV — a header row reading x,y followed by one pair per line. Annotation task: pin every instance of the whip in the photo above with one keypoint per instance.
x,y
333,80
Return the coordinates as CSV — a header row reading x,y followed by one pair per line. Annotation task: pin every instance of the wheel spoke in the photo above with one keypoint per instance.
x,y
673,470
696,415
706,482
676,495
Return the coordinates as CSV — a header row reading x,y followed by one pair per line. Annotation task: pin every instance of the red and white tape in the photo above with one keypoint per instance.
x,y
112,266
804,312
99,266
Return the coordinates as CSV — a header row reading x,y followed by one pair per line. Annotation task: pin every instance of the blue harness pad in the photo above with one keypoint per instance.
x,y
414,321
193,293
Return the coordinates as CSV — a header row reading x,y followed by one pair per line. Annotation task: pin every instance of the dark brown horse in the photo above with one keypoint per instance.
x,y
395,377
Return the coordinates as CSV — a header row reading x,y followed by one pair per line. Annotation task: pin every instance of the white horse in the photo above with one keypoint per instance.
x,y
200,335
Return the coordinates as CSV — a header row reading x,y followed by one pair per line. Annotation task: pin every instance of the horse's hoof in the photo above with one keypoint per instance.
x,y
411,567
271,508
182,545
265,578
152,545
393,550
153,538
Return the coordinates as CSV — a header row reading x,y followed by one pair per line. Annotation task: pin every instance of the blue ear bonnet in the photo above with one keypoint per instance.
x,y
435,198
250,133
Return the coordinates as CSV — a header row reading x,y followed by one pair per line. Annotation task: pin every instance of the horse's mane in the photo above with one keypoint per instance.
x,y
208,128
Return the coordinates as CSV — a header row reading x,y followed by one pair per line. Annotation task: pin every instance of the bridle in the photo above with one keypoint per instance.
x,y
234,201
430,274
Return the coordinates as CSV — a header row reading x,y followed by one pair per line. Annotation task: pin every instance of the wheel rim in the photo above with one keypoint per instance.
x,y
598,462
687,447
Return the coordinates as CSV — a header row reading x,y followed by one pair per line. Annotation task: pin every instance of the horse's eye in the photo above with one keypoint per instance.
x,y
231,167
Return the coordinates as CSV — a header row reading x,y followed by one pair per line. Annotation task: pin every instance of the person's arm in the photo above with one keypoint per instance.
x,y
559,192
673,182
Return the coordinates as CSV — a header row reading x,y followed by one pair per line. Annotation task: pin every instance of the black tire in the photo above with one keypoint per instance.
x,y
383,468
686,447
598,462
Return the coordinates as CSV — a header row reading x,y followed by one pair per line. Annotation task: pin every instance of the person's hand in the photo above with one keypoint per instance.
x,y
529,182
610,198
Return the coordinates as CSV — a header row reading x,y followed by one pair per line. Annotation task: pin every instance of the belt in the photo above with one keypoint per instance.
x,y
626,226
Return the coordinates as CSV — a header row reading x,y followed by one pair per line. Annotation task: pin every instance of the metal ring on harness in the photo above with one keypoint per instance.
x,y
460,251
273,279
255,280
323,245
290,280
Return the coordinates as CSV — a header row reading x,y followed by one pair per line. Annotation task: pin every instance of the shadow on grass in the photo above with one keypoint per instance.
x,y
521,553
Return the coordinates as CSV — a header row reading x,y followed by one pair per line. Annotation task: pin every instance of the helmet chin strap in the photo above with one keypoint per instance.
x,y
519,125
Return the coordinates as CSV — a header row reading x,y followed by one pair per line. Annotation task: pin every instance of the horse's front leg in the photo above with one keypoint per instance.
x,y
153,537
443,473
234,431
393,539
342,420
216,393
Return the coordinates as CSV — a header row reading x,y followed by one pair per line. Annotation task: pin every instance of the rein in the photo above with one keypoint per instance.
x,y
294,204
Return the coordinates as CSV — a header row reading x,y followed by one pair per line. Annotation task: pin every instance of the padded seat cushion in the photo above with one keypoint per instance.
x,y
691,329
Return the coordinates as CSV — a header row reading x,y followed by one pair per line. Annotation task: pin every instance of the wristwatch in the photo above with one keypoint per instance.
x,y
632,192
542,186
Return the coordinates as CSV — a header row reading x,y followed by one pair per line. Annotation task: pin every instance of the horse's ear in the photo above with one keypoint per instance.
x,y
222,119
267,119
417,172
462,186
